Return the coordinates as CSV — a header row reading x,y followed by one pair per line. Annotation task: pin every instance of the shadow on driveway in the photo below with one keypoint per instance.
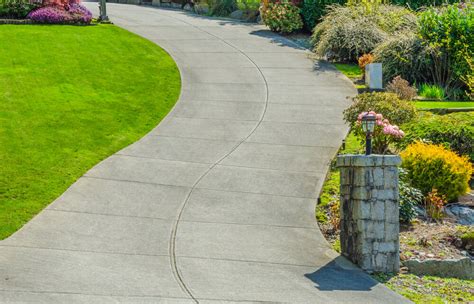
x,y
340,274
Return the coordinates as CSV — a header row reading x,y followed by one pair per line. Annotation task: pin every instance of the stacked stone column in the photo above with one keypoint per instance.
x,y
370,211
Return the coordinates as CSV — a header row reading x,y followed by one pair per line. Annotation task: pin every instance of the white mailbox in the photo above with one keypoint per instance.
x,y
373,76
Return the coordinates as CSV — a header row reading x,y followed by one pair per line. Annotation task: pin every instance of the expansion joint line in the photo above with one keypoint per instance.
x,y
172,247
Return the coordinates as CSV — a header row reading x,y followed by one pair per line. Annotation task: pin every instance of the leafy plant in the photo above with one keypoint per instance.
x,y
404,55
248,5
435,167
447,32
434,204
402,88
454,131
347,32
410,197
417,4
399,111
313,10
432,91
469,80
221,7
16,9
282,17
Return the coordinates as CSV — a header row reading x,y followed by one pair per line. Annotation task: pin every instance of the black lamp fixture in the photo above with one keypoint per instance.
x,y
368,126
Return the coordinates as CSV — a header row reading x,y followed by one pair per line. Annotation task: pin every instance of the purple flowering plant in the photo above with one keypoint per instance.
x,y
70,14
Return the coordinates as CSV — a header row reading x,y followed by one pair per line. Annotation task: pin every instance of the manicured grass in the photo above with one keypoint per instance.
x,y
351,70
444,104
428,289
330,192
69,97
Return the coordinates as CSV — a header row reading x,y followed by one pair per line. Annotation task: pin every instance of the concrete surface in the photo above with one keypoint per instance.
x,y
216,204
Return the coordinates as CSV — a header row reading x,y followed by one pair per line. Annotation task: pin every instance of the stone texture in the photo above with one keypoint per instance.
x,y
461,268
369,211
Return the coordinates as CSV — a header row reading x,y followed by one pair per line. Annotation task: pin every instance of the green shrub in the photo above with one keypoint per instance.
x,y
248,5
396,110
313,10
416,4
447,32
221,7
409,198
404,55
435,167
347,32
282,17
402,88
432,91
15,9
455,131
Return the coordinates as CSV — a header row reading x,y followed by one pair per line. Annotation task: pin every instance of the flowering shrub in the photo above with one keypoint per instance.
x,y
384,133
399,111
282,17
435,167
71,14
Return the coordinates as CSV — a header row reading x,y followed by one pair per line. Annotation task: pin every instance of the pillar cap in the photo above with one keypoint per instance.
x,y
374,160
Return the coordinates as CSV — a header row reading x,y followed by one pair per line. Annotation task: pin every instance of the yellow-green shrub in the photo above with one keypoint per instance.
x,y
435,167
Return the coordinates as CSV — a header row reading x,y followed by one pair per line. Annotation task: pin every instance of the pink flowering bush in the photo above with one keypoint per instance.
x,y
69,14
384,133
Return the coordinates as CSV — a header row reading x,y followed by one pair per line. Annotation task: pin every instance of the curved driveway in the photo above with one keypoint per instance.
x,y
216,204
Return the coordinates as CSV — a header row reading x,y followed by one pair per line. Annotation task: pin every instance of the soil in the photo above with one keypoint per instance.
x,y
422,240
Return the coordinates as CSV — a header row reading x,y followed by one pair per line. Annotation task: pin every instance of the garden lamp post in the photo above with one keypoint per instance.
x,y
368,126
103,11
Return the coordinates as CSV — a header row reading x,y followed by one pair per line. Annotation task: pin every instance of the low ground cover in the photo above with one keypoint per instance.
x,y
429,289
70,97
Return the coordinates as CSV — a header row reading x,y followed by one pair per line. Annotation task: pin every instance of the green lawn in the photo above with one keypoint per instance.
x,y
429,289
351,70
444,104
69,97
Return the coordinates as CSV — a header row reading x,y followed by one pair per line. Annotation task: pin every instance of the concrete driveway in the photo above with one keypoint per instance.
x,y
216,204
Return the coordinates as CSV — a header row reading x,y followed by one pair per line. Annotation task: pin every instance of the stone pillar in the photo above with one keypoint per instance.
x,y
369,211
